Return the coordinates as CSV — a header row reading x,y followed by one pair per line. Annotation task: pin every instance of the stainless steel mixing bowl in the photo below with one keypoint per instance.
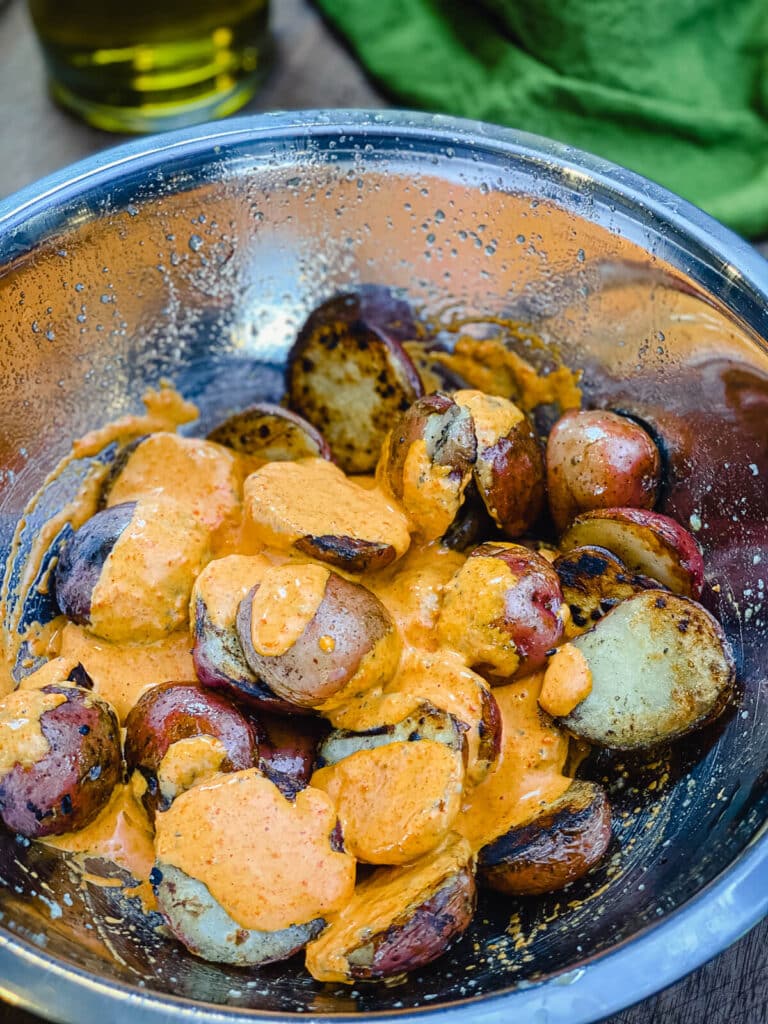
x,y
194,256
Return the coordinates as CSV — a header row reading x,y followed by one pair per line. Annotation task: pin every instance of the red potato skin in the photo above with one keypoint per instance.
x,y
510,478
220,665
272,433
665,532
306,676
425,934
171,712
287,750
82,559
65,790
598,459
531,607
554,848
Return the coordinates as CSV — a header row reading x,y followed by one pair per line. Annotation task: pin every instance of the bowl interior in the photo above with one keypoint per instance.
x,y
199,265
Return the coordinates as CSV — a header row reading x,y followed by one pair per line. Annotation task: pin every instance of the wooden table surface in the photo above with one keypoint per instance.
x,y
312,70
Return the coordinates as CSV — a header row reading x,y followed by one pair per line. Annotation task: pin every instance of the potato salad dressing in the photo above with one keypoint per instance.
x,y
247,528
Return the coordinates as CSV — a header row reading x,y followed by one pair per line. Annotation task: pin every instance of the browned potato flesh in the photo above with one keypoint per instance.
x,y
428,723
316,638
660,666
270,434
349,376
559,844
399,919
593,581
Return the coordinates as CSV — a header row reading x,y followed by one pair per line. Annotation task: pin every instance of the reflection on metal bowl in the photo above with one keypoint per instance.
x,y
195,256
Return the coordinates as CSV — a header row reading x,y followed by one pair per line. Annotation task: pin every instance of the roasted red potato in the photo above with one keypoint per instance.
x,y
593,581
559,844
503,610
178,734
646,542
345,525
218,654
427,460
398,919
288,750
660,666
270,434
425,723
127,573
349,375
60,759
315,638
598,459
473,523
223,880
509,469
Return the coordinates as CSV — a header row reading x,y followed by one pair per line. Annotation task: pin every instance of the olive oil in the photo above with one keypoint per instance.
x,y
146,65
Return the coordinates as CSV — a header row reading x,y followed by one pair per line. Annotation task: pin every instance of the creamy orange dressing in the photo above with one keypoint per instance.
x,y
494,417
378,901
165,408
430,495
493,367
187,762
567,681
143,590
481,585
202,477
529,772
412,591
122,672
120,833
21,736
386,816
55,671
285,603
266,860
223,584
286,501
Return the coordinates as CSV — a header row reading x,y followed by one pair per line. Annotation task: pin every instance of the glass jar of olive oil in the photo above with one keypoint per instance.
x,y
148,65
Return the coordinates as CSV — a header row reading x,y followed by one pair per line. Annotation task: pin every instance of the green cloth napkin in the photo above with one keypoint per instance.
x,y
674,89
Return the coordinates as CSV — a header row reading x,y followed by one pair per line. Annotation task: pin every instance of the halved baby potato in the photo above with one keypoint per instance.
x,y
426,462
60,759
315,638
399,919
180,733
646,542
554,847
217,653
660,666
593,581
128,572
509,469
598,459
503,610
349,375
312,507
269,433
244,875
288,749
